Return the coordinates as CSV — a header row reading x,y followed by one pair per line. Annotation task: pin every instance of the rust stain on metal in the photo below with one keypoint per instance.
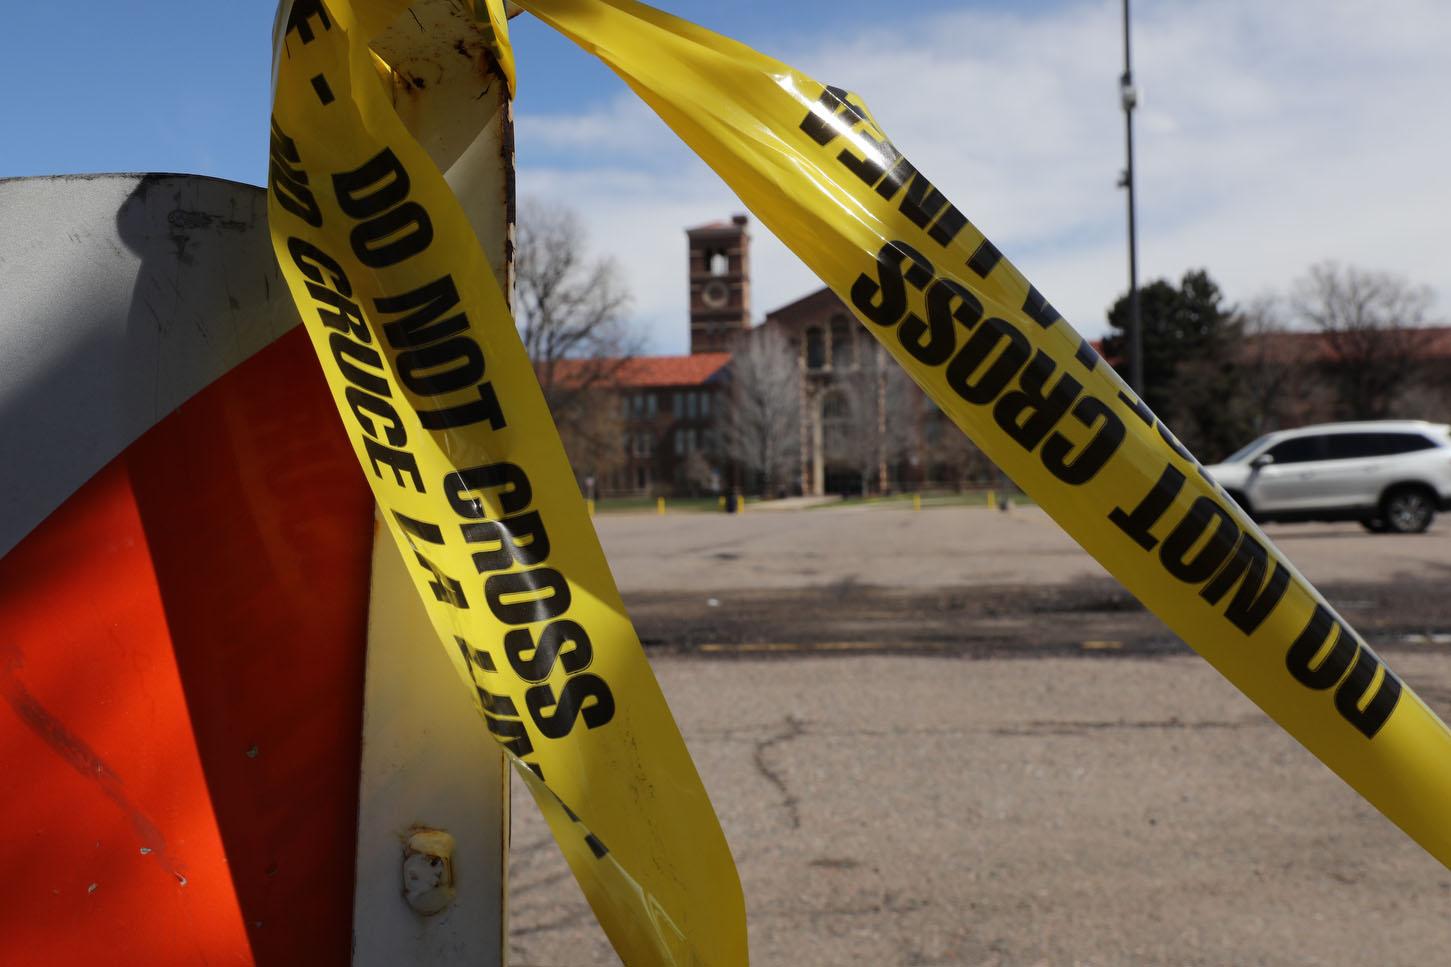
x,y
506,158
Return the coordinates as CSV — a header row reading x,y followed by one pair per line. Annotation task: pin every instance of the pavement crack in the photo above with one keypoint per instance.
x,y
1041,728
792,728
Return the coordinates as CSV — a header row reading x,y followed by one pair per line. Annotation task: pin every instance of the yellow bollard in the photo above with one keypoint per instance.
x,y
720,502
916,501
589,505
992,500
660,505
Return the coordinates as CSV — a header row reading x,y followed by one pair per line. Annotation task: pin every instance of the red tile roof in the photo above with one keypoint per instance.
x,y
1313,346
643,372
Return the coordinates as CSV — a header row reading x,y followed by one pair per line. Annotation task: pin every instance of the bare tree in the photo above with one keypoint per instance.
x,y
570,309
950,455
1374,325
762,430
870,415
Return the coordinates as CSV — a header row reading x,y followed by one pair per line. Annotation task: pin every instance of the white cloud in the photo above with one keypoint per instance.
x,y
1271,135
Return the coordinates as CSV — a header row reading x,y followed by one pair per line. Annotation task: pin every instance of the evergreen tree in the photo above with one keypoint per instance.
x,y
1192,378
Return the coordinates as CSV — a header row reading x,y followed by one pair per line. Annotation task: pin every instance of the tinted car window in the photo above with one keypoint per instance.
x,y
1348,446
1299,450
1406,443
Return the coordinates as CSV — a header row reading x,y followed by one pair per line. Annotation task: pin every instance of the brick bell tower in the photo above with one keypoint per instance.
x,y
720,284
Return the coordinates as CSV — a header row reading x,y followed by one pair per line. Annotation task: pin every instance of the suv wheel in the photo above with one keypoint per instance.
x,y
1407,510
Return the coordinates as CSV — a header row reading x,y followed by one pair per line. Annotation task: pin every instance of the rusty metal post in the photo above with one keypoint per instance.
x,y
433,826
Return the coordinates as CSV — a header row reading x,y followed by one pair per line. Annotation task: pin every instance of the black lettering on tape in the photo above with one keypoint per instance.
x,y
984,258
563,642
1030,412
1078,468
339,313
444,588
312,262
392,237
361,403
1320,659
877,157
475,657
948,226
524,597
1086,355
883,300
421,529
1182,553
401,462
427,305
1039,309
1142,411
390,228
520,539
1138,522
583,696
1140,408
346,352
980,372
442,367
512,736
288,179
304,11
372,188
461,486
833,115
1370,716
1261,585
1315,665
949,303
322,89
485,409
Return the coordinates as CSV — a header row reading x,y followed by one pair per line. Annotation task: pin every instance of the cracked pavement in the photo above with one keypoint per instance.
x,y
957,805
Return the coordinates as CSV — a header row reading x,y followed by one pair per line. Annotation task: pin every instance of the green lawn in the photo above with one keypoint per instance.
x,y
945,498
647,505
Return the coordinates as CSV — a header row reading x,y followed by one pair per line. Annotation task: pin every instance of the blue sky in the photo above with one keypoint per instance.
x,y
1271,135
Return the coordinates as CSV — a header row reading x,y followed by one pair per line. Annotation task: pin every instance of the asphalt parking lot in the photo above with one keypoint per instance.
x,y
912,772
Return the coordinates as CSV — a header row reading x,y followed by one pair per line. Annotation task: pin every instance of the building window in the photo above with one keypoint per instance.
x,y
677,404
815,349
843,347
837,427
705,403
717,262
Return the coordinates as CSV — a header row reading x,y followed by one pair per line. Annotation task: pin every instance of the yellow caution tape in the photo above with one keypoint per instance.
x,y
989,349
449,424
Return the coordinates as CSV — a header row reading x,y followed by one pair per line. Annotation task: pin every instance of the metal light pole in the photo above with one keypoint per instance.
x,y
1129,98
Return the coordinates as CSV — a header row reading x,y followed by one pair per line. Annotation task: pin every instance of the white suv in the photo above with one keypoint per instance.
x,y
1391,475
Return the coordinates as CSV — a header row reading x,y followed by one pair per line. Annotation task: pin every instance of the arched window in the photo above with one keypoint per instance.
x,y
837,430
835,406
717,262
843,346
815,348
